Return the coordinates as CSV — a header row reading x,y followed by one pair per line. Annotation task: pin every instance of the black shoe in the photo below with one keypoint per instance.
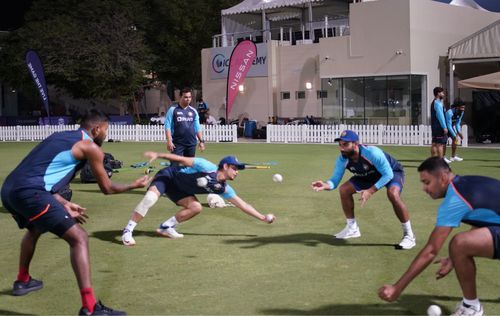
x,y
100,309
22,288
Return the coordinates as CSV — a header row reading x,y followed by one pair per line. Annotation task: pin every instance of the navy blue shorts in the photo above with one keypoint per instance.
x,y
495,233
360,183
163,181
37,209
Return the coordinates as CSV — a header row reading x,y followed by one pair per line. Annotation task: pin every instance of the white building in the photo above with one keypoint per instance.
x,y
373,62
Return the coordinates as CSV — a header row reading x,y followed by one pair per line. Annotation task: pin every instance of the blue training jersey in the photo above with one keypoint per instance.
x,y
438,122
472,200
183,124
201,178
374,165
50,165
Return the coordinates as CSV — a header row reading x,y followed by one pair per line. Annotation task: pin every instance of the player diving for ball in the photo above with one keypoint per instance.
x,y
372,169
181,183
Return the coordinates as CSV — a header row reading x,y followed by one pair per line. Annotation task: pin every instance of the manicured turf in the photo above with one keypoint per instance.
x,y
231,264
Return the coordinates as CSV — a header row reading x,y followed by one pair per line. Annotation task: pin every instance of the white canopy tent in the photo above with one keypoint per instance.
x,y
489,81
482,46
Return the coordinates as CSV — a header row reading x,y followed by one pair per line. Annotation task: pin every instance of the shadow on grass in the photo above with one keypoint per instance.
x,y
306,239
6,312
4,210
114,236
96,190
406,305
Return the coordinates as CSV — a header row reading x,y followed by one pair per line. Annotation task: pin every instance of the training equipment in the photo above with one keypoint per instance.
x,y
266,163
257,167
407,242
277,178
86,175
202,182
146,203
215,200
270,218
149,170
22,288
348,232
127,238
434,310
169,232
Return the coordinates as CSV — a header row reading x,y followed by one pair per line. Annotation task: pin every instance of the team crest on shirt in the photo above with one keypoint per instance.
x,y
366,167
190,114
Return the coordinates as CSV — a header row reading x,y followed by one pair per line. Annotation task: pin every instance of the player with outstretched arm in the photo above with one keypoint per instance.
x,y
467,199
181,183
372,169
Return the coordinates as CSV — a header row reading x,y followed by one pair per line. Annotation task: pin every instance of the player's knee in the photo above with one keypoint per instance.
x,y
196,207
458,244
345,190
393,194
146,203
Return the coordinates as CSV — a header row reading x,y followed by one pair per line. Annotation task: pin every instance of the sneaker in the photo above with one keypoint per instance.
x,y
100,309
347,233
456,158
407,242
22,288
127,238
169,232
448,161
463,310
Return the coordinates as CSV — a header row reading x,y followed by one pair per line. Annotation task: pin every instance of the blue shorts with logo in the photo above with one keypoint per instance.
x,y
361,183
495,233
37,209
163,181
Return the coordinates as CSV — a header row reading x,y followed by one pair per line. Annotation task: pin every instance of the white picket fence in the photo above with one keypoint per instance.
x,y
368,134
138,133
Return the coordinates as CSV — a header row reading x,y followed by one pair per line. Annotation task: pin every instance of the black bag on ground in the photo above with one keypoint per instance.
x,y
86,175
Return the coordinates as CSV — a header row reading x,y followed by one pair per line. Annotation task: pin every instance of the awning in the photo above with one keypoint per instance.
x,y
489,82
483,44
249,6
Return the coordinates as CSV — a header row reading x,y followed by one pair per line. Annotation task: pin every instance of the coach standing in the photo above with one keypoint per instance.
x,y
438,125
182,127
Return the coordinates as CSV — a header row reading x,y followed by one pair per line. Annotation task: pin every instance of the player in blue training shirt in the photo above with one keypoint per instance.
x,y
453,121
180,183
30,194
182,127
438,124
467,199
372,169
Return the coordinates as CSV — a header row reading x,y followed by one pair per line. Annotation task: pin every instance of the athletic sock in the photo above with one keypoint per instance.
x,y
171,222
407,229
351,222
88,299
474,303
130,226
23,275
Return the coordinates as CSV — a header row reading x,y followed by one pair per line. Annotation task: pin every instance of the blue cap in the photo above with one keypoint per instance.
x,y
233,161
348,136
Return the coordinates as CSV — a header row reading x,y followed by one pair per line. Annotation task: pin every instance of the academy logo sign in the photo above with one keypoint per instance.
x,y
220,62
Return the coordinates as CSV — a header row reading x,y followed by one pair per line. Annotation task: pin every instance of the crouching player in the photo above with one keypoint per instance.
x,y
468,199
181,183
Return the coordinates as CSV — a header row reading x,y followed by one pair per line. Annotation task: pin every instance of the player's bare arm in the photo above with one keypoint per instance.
x,y
90,151
390,292
185,161
250,210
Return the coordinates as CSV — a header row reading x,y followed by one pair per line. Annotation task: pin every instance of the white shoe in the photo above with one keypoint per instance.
x,y
456,158
169,232
448,161
127,238
407,242
347,233
467,311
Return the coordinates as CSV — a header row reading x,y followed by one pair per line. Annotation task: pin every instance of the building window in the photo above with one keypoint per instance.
x,y
285,95
321,94
300,94
388,100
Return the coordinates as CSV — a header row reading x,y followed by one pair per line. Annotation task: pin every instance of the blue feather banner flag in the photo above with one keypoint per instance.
x,y
35,67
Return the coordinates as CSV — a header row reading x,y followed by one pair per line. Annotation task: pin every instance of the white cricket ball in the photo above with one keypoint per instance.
x,y
434,310
270,218
277,178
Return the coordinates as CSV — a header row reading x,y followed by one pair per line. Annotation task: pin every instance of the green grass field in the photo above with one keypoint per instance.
x,y
231,264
